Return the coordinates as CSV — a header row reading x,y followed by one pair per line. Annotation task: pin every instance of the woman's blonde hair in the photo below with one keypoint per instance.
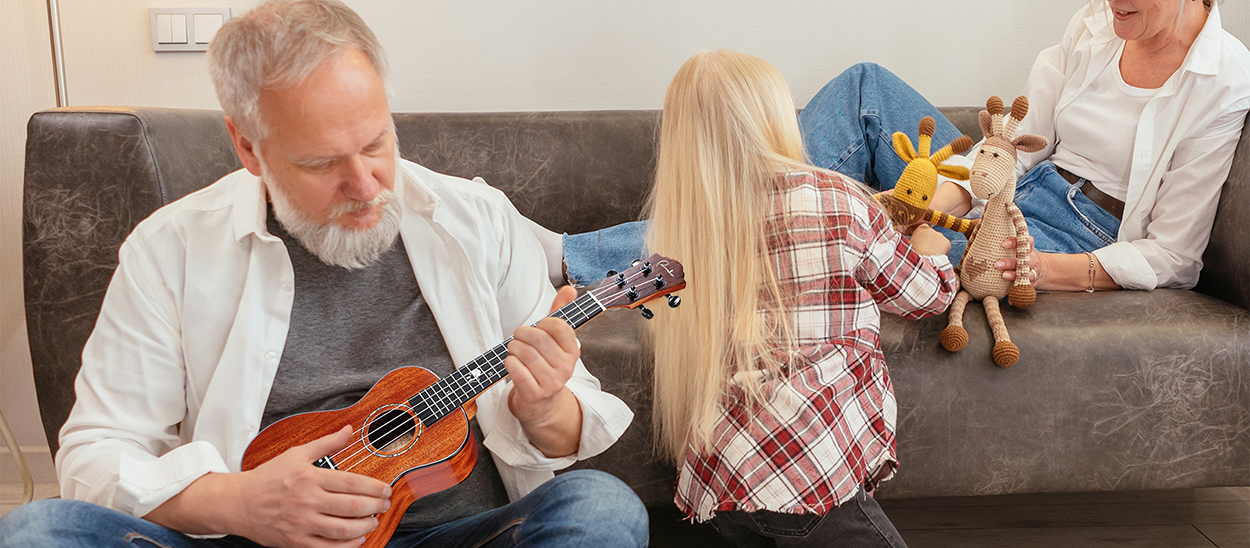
x,y
728,134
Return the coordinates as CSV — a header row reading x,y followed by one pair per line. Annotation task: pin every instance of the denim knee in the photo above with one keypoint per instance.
x,y
599,506
37,523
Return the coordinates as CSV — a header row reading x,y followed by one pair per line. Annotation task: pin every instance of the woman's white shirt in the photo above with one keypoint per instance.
x,y
1097,144
1182,148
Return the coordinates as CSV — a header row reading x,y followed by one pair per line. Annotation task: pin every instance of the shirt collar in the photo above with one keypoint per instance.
x,y
1204,54
251,211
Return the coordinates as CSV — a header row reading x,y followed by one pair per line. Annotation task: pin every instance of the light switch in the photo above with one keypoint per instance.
x,y
164,29
206,25
179,23
184,29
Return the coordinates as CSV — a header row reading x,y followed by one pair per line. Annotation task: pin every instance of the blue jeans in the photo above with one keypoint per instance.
x,y
1061,219
849,125
579,508
588,257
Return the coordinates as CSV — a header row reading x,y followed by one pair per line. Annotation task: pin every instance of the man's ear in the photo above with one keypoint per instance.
x,y
244,147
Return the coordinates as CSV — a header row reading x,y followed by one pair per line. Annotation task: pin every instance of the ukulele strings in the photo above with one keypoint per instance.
x,y
401,417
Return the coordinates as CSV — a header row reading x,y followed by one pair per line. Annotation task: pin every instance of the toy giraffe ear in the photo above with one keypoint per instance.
x,y
954,172
1030,143
902,145
987,124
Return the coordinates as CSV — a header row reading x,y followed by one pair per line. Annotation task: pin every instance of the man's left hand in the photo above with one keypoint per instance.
x,y
541,360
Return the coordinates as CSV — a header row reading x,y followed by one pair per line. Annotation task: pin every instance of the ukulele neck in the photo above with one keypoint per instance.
x,y
473,378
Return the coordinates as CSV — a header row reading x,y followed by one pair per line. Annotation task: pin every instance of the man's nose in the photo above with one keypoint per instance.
x,y
358,182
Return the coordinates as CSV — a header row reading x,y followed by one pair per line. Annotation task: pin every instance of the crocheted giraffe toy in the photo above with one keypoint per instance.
x,y
993,178
909,203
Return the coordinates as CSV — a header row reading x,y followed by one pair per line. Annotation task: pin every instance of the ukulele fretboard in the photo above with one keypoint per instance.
x,y
473,378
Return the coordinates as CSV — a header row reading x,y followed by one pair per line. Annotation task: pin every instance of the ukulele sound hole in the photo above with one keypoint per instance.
x,y
392,430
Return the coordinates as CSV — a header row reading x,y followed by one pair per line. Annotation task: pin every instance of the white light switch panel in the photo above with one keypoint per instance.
x,y
185,29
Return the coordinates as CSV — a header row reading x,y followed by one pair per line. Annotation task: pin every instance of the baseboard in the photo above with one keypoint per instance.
x,y
38,459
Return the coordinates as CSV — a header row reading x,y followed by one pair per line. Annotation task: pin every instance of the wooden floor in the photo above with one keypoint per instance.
x,y
1184,518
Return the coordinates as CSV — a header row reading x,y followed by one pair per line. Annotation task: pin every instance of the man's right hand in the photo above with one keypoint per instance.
x,y
289,502
286,502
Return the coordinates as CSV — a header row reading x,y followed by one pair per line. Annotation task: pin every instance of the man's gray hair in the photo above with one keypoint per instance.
x,y
276,46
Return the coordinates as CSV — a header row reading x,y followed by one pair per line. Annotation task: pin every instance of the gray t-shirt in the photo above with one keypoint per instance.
x,y
348,329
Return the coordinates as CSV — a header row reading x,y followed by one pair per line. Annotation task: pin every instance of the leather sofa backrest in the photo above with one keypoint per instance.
x,y
93,173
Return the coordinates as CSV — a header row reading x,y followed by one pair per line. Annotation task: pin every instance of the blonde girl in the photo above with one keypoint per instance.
x,y
771,391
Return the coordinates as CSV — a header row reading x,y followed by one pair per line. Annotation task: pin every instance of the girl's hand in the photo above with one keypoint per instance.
x,y
927,241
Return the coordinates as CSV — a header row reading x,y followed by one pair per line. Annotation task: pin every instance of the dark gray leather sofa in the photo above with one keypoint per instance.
x,y
1114,391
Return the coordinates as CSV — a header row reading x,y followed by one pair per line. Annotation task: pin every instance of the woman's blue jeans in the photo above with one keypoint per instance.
x,y
579,508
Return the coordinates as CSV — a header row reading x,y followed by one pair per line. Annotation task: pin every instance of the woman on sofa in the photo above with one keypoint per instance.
x,y
1143,102
771,392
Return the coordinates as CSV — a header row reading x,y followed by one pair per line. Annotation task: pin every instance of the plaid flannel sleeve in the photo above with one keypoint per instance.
x,y
902,281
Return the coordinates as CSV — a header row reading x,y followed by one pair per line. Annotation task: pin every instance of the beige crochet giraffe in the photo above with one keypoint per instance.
x,y
993,178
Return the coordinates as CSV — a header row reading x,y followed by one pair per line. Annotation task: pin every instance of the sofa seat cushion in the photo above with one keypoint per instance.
x,y
1116,390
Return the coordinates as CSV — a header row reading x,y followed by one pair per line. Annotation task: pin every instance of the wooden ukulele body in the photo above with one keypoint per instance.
x,y
393,445
426,460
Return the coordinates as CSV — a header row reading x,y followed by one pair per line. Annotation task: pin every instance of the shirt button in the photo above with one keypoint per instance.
x,y
270,355
249,429
286,287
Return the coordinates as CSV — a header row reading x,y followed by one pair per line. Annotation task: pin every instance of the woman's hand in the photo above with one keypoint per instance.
x,y
1008,266
927,241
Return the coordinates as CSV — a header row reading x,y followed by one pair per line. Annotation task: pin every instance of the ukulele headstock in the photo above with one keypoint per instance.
x,y
648,279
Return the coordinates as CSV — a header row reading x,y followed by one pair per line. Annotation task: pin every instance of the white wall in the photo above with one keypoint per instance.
x,y
476,55
25,87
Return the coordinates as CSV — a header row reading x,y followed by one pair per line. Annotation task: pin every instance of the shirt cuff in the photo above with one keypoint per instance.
x,y
145,484
508,442
1127,266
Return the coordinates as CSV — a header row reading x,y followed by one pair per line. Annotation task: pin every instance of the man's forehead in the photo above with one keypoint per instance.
x,y
341,105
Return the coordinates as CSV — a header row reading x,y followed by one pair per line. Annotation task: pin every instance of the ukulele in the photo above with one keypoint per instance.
x,y
414,431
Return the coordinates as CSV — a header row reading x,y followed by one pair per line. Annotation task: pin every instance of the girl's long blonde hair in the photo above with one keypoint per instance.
x,y
728,133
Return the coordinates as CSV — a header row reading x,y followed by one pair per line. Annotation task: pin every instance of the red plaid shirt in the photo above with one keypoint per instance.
x,y
829,425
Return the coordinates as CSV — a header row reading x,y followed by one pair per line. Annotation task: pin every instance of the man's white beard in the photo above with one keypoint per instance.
x,y
333,244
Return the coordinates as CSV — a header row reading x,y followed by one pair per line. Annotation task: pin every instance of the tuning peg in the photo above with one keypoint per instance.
x,y
632,293
610,274
635,262
658,281
647,313
620,280
673,300
646,268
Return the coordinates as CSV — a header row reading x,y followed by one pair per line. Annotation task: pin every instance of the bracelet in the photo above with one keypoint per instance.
x,y
1091,272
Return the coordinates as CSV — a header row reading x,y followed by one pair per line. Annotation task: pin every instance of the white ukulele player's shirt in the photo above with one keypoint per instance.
x,y
177,372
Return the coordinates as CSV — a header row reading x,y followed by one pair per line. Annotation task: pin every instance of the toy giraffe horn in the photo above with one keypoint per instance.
x,y
995,107
925,140
1019,108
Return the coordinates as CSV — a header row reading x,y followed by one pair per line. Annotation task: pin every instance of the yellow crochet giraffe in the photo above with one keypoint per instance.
x,y
993,178
918,182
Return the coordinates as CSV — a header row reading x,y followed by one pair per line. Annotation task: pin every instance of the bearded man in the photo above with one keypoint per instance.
x,y
293,286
